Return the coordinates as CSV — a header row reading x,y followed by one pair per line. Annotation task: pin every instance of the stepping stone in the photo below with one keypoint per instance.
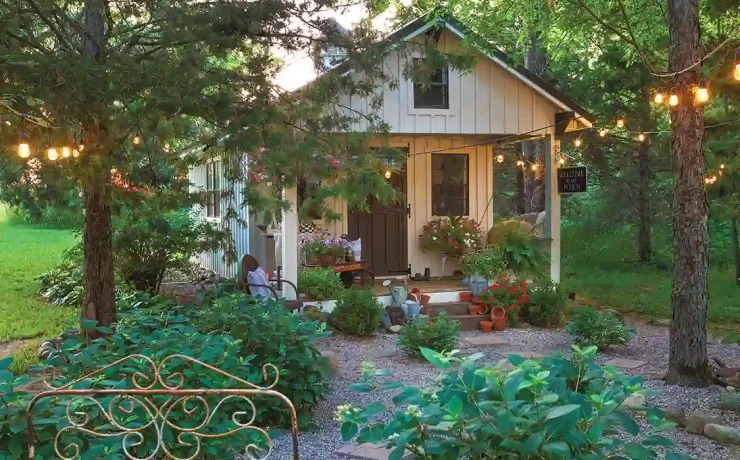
x,y
386,352
488,340
363,452
625,363
526,354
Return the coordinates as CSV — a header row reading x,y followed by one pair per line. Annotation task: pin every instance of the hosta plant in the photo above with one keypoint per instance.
x,y
602,329
554,409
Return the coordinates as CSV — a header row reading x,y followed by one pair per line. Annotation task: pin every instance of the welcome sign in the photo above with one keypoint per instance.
x,y
572,180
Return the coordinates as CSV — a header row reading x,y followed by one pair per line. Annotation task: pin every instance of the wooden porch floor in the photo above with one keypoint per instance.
x,y
426,287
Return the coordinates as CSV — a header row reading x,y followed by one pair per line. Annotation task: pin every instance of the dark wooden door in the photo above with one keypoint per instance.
x,y
383,231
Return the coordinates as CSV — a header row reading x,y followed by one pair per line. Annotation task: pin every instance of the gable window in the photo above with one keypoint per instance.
x,y
437,94
450,179
213,188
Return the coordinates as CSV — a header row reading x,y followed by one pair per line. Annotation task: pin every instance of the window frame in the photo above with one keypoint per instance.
x,y
213,190
444,84
435,202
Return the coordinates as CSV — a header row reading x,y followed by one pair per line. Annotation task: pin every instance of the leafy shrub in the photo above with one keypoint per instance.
x,y
440,334
319,283
523,255
545,306
729,400
590,327
147,242
487,262
357,312
64,284
559,408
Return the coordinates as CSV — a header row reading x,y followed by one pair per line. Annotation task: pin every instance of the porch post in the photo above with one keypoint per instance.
x,y
552,203
289,243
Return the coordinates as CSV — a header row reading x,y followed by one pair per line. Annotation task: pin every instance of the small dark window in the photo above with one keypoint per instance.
x,y
213,187
450,179
437,95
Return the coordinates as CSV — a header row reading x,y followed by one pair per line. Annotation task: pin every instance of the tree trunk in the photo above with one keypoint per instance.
x,y
687,362
99,300
735,234
644,246
533,187
520,199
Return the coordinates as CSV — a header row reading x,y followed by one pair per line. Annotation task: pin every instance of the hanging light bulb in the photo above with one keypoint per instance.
x,y
387,174
166,147
714,178
737,64
66,152
500,158
24,150
578,142
535,167
722,166
702,92
658,98
561,160
52,154
520,163
641,137
620,122
673,98
602,132
707,180
75,153
137,140
81,147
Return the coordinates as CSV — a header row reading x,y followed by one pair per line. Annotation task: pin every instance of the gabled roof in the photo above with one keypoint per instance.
x,y
539,85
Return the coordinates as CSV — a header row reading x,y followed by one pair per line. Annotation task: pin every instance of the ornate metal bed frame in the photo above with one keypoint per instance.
x,y
144,388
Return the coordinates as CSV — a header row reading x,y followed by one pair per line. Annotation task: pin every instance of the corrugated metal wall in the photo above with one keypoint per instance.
x,y
214,260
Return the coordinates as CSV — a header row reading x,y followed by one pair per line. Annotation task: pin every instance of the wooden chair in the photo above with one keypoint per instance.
x,y
250,264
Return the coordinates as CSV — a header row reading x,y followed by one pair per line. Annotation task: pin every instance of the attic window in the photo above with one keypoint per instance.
x,y
437,95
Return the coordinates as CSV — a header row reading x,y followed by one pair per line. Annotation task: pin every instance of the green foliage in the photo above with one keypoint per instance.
x,y
590,327
557,408
450,235
63,284
729,400
487,262
523,255
357,312
546,305
440,334
319,283
147,242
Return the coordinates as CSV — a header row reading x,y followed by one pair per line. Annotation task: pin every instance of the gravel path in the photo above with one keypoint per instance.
x,y
650,344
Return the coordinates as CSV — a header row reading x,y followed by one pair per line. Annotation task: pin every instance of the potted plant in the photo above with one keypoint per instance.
x,y
523,254
481,266
317,283
486,326
323,250
453,236
507,295
498,318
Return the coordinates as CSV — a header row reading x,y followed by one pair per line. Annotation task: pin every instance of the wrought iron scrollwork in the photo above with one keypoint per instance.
x,y
155,394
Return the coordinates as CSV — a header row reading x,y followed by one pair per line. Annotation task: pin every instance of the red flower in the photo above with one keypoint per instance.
x,y
494,286
525,298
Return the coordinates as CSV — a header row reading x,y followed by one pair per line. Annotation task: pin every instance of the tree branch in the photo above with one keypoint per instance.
x,y
58,33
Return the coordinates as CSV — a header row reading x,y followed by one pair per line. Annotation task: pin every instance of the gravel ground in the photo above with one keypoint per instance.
x,y
650,344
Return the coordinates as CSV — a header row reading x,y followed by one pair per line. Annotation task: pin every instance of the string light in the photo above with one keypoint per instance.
x,y
520,163
737,64
81,147
658,99
722,166
673,99
602,132
500,158
702,92
387,174
707,180
535,167
66,152
137,140
641,137
75,153
52,154
578,142
620,122
714,178
561,160
24,150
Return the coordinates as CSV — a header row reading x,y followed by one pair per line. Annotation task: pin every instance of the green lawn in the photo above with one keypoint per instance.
x,y
26,252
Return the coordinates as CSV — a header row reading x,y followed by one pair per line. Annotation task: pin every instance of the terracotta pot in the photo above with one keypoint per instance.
x,y
486,326
473,309
328,260
498,317
465,296
425,298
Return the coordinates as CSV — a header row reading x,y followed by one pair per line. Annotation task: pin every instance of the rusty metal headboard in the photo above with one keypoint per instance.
x,y
144,388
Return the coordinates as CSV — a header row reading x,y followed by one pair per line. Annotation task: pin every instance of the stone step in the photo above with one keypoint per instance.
x,y
469,322
452,308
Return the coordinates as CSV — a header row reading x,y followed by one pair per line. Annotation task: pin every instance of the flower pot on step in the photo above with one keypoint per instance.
x,y
425,298
473,309
486,326
498,317
465,296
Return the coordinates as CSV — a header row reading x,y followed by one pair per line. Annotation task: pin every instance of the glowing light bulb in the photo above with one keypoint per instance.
x,y
535,167
702,92
500,158
620,122
24,150
658,99
722,166
737,64
707,180
673,98
75,153
641,137
714,178
561,161
520,163
52,154
81,147
387,174
137,140
66,152
578,142
602,132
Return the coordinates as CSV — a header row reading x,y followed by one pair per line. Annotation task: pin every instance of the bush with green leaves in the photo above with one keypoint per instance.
x,y
63,284
602,329
546,305
319,283
357,312
557,408
523,255
440,334
487,262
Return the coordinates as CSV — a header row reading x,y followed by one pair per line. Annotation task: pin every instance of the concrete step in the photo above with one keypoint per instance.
x,y
452,308
470,322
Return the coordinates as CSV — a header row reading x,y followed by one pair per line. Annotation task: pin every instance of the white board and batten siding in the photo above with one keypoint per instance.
x,y
487,100
214,260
